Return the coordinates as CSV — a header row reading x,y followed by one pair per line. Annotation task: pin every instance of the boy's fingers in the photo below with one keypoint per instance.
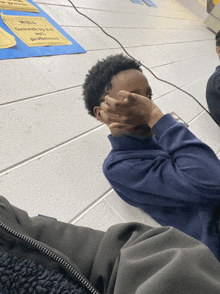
x,y
120,126
115,103
107,107
125,96
120,130
122,95
114,125
125,100
110,118
109,100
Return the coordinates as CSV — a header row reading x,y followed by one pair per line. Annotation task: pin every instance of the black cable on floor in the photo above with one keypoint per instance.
x,y
139,61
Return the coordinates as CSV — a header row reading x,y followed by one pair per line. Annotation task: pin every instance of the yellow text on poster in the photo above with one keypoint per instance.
x,y
18,5
35,31
6,40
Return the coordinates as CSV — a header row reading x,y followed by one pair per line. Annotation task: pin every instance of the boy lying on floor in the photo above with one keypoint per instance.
x,y
155,164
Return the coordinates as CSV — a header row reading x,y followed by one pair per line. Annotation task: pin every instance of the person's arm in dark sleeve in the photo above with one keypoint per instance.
x,y
213,96
187,171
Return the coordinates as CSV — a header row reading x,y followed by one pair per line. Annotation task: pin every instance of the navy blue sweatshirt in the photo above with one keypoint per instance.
x,y
172,176
213,95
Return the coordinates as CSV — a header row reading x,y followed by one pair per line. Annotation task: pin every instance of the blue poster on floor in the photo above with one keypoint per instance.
x,y
137,2
149,3
26,34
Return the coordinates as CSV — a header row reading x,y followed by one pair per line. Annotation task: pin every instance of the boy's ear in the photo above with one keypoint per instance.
x,y
97,110
218,50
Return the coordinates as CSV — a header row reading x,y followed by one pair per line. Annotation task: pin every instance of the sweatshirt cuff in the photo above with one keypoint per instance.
x,y
163,124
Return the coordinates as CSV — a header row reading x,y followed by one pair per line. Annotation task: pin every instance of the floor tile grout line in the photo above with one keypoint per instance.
x,y
155,99
90,207
43,153
138,28
182,87
165,64
79,86
40,95
198,115
135,28
96,9
193,19
156,45
162,44
116,211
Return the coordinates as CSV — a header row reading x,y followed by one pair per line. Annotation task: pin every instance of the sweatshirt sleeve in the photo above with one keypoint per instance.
x,y
179,169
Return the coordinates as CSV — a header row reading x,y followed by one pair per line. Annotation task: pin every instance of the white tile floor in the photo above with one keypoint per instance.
x,y
51,150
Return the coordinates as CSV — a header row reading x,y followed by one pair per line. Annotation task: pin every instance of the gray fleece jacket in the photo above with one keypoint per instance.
x,y
129,258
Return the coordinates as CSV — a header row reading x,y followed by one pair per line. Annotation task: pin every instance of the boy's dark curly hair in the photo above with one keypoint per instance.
x,y
217,38
98,80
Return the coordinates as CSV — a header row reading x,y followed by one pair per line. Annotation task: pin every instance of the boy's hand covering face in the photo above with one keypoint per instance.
x,y
129,111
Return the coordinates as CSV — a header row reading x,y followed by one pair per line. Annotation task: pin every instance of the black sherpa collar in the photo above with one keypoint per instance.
x,y
26,276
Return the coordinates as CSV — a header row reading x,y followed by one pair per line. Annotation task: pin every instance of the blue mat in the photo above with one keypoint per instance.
x,y
137,2
149,3
21,50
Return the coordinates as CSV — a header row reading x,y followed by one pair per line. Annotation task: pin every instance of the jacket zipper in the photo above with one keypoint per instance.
x,y
52,255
